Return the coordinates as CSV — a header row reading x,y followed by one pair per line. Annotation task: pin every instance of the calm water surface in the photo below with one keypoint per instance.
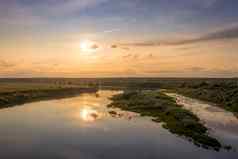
x,y
222,124
82,128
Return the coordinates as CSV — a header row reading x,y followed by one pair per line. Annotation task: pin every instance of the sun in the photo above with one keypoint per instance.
x,y
88,46
84,45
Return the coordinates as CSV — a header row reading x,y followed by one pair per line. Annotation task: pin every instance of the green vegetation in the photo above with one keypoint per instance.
x,y
164,109
224,94
12,94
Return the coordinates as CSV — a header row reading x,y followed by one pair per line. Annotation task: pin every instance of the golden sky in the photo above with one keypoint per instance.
x,y
101,38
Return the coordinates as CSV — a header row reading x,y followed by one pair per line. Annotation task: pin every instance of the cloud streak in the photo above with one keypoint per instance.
x,y
5,64
230,33
72,5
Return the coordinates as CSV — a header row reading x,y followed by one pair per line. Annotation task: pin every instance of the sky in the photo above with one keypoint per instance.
x,y
118,38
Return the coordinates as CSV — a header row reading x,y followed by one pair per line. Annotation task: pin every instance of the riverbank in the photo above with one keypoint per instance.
x,y
226,98
164,109
9,99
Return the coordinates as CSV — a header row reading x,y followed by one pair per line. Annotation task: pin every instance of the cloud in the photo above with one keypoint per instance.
x,y
127,56
113,46
111,31
131,56
136,57
228,33
150,56
125,48
204,3
5,64
94,46
197,69
71,5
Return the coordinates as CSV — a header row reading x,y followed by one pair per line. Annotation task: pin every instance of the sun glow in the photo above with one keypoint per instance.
x,y
89,115
88,46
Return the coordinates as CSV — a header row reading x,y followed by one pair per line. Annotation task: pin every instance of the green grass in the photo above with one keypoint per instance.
x,y
225,95
18,93
164,109
24,86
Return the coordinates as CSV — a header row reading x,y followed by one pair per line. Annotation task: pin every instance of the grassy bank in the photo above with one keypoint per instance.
x,y
225,95
164,109
223,92
32,94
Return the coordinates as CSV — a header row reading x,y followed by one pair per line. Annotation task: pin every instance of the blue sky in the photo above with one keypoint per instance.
x,y
159,15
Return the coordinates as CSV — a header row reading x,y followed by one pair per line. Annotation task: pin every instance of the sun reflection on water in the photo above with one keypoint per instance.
x,y
88,114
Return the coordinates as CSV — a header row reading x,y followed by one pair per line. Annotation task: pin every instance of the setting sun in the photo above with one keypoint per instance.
x,y
88,46
131,79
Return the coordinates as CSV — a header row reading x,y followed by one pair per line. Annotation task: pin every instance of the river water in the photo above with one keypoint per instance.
x,y
221,123
82,128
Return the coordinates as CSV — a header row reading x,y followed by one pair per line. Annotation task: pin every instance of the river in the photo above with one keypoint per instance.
x,y
221,123
82,128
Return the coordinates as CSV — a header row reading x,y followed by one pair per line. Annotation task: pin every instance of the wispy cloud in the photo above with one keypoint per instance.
x,y
111,31
197,69
5,64
229,33
70,6
94,46
115,46
127,56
